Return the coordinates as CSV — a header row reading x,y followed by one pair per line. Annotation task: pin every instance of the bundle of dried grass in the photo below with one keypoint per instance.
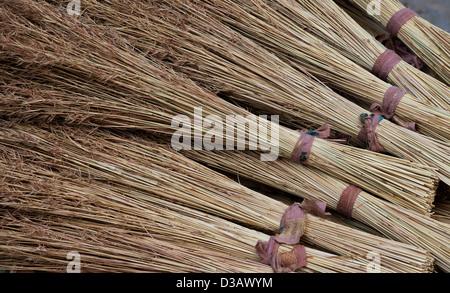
x,y
379,32
105,250
390,220
42,244
331,24
214,55
107,85
294,44
427,41
60,211
33,103
290,41
154,171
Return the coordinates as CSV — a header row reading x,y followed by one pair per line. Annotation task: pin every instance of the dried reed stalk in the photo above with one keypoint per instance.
x,y
367,23
155,171
383,35
41,204
125,81
430,43
293,44
391,220
260,21
232,65
331,24
41,244
36,104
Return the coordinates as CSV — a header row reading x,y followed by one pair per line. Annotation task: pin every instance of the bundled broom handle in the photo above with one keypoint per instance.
x,y
427,41
391,99
399,19
385,63
302,148
292,228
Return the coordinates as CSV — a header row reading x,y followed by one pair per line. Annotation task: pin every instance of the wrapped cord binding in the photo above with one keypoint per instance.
x,y
399,19
391,100
292,226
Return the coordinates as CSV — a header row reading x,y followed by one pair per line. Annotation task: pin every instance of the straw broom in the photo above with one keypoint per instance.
x,y
150,169
390,220
64,200
42,245
97,202
236,67
140,165
332,25
135,82
294,45
382,34
39,104
426,40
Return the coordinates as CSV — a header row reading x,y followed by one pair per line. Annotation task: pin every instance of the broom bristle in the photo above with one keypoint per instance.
x,y
130,204
137,164
328,22
386,218
248,73
143,84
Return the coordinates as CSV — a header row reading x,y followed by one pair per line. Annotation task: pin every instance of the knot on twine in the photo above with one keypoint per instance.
x,y
385,63
347,201
368,132
399,19
302,148
391,99
292,227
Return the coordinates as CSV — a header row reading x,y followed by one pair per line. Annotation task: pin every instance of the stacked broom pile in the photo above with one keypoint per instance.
x,y
90,104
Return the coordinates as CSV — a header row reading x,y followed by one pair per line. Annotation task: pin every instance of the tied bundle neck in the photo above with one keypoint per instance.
x,y
303,146
292,227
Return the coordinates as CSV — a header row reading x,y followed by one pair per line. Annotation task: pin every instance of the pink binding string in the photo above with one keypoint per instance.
x,y
284,262
385,63
291,229
368,133
303,146
399,19
391,99
347,201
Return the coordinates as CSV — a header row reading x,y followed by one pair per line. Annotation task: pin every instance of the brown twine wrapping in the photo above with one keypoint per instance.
x,y
292,224
267,250
391,99
290,261
385,63
302,148
284,262
292,227
347,201
399,19
368,133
